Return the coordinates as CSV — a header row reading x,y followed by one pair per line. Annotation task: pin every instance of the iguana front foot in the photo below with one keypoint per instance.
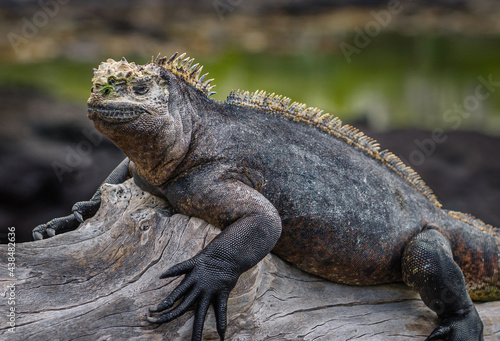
x,y
465,326
209,280
55,225
81,210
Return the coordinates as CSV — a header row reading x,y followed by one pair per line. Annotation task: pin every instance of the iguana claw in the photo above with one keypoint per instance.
x,y
37,234
78,216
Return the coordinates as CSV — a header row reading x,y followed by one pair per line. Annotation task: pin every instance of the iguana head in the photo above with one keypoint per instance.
x,y
123,91
146,109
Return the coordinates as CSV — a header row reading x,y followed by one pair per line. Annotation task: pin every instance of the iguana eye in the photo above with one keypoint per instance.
x,y
140,89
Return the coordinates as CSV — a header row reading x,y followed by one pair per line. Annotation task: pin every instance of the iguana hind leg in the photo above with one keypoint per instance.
x,y
429,268
83,209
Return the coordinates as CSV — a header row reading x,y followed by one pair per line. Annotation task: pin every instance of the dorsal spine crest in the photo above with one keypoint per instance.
x,y
477,223
183,67
299,112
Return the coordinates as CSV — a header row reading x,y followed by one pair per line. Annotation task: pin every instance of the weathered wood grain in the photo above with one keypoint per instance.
x,y
96,283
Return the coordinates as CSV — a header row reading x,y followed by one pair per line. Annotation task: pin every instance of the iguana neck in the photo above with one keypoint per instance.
x,y
155,157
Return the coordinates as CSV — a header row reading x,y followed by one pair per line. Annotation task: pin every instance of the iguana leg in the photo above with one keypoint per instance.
x,y
83,209
429,268
250,227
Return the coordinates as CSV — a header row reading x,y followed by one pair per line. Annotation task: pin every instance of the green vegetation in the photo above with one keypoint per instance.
x,y
396,81
62,79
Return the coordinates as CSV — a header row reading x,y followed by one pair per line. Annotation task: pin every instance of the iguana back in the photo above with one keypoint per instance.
x,y
348,209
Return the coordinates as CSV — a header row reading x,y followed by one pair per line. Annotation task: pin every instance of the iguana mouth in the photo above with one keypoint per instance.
x,y
115,113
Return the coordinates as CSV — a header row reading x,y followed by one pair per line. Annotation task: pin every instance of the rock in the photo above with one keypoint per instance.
x,y
97,282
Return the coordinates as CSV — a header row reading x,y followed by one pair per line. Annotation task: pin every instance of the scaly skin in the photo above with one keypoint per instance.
x,y
318,194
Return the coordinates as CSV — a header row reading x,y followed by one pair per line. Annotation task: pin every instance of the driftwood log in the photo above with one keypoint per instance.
x,y
96,283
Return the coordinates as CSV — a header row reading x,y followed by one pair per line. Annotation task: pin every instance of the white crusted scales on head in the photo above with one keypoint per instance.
x,y
180,65
120,70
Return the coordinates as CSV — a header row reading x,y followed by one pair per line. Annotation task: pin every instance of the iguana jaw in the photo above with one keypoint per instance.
x,y
115,113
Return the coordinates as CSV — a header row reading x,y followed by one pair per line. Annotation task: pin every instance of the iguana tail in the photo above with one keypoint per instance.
x,y
476,249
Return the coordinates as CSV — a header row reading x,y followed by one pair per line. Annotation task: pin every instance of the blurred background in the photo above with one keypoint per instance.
x,y
422,77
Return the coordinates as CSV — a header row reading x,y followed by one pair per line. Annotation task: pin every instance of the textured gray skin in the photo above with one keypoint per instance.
x,y
273,184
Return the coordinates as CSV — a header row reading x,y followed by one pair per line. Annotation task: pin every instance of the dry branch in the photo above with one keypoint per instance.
x,y
96,283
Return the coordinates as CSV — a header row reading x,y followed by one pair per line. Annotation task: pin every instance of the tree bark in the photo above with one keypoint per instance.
x,y
97,282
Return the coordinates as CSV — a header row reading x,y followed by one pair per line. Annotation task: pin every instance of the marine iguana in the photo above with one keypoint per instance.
x,y
275,175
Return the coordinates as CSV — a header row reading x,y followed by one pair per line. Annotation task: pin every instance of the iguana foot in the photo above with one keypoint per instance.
x,y
428,267
465,326
81,210
55,225
207,282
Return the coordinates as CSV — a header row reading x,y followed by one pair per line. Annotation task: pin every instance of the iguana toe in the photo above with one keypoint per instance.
x,y
39,231
86,209
461,327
